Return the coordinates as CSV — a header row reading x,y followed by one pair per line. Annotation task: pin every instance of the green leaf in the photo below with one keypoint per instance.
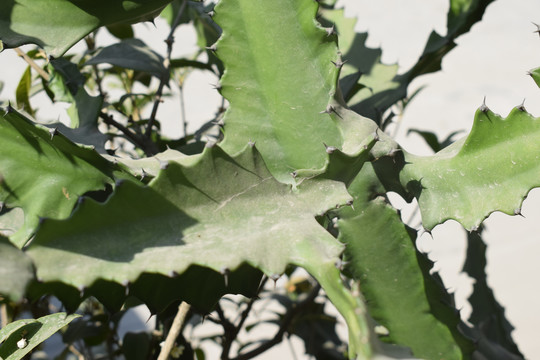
x,y
22,94
136,346
44,173
206,29
399,291
56,25
131,54
379,86
433,141
493,169
121,31
219,213
16,271
19,338
67,84
181,63
279,79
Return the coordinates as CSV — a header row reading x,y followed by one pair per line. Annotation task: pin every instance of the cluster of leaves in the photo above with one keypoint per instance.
x,y
107,212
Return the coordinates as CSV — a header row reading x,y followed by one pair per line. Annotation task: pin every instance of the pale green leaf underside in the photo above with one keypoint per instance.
x,y
44,174
279,78
218,213
493,169
56,25
34,331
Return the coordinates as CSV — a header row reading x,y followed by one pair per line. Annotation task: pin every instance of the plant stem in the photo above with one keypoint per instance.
x,y
33,64
165,77
174,331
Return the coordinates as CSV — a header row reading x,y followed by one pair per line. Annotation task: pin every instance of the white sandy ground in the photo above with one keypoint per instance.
x,y
490,61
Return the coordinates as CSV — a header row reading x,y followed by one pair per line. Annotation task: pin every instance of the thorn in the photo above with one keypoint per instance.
x,y
474,229
80,200
163,164
339,63
329,109
340,264
143,174
81,289
331,30
225,272
211,13
376,136
173,274
9,108
169,42
53,132
251,143
484,107
210,144
119,182
294,174
522,106
217,87
537,31
125,284
329,149
212,48
275,278
518,212
350,203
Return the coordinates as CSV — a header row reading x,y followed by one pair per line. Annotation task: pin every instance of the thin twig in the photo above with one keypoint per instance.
x,y
174,331
182,108
76,352
91,45
166,75
147,146
32,63
231,331
289,317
